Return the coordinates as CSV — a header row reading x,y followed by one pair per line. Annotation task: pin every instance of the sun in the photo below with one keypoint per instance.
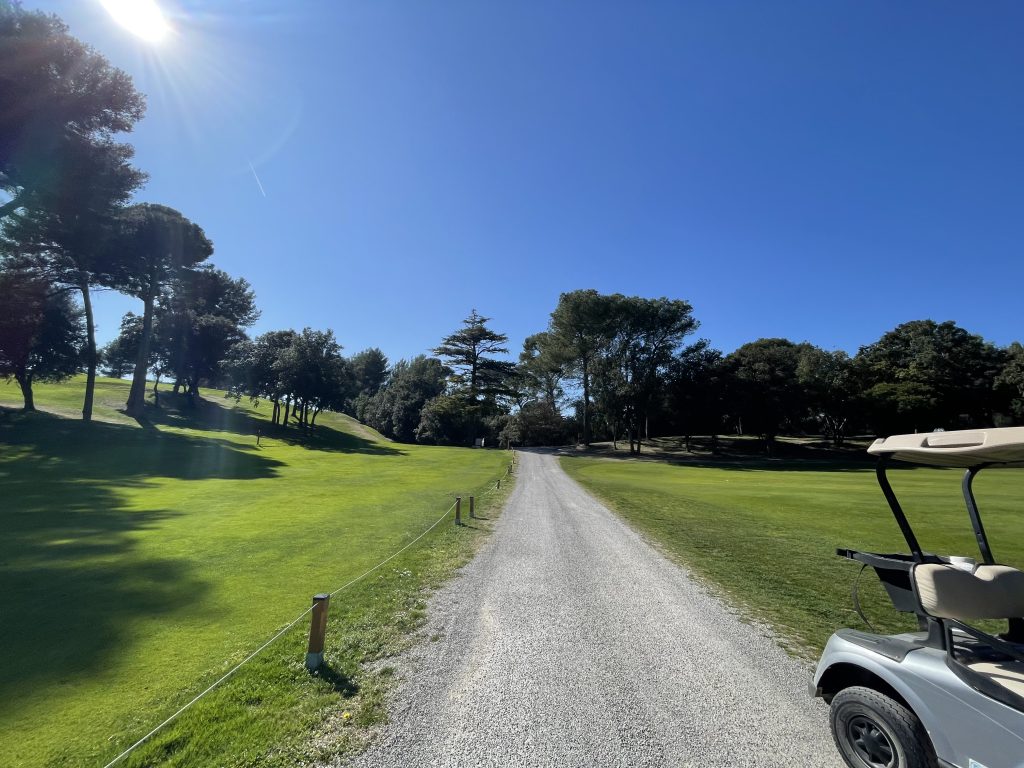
x,y
142,18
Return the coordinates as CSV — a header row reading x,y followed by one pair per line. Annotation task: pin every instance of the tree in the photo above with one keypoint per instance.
x,y
466,353
60,103
924,375
766,390
581,326
827,382
252,369
313,373
41,332
541,370
395,410
647,335
158,244
695,393
118,357
204,313
1011,380
370,369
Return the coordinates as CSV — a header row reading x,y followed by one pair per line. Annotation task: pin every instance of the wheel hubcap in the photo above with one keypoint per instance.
x,y
871,743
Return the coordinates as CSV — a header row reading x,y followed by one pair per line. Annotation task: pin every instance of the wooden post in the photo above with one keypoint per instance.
x,y
317,631
458,510
498,486
471,511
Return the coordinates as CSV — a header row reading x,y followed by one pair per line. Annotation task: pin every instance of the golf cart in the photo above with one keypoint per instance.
x,y
949,695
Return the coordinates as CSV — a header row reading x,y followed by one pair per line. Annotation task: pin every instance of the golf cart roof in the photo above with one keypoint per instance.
x,y
960,448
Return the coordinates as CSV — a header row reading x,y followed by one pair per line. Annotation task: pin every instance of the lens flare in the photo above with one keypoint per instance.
x,y
142,18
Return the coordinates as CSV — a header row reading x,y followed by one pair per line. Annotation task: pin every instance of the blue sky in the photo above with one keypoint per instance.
x,y
818,171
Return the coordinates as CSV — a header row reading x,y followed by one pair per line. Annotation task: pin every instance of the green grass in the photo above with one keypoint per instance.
x,y
140,562
766,532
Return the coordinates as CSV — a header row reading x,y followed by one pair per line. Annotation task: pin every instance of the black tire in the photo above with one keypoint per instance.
x,y
874,731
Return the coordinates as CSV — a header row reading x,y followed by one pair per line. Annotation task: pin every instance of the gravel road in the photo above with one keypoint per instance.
x,y
569,641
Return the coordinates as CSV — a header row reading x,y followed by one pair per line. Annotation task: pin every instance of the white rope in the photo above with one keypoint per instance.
x,y
253,655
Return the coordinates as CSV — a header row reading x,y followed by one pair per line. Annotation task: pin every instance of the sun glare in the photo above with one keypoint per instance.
x,y
142,18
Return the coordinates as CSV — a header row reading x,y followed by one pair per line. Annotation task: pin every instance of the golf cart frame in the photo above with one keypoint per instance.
x,y
949,694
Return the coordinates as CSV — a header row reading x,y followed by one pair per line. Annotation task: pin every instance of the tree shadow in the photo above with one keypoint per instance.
x,y
180,412
73,581
742,456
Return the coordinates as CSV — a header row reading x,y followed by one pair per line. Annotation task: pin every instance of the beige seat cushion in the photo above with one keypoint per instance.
x,y
991,592
1009,674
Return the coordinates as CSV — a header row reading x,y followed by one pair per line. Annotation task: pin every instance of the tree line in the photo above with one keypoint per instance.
x,y
605,367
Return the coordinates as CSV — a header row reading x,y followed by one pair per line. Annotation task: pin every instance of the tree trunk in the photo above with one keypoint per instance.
x,y
25,382
586,405
276,412
90,352
137,394
315,412
287,410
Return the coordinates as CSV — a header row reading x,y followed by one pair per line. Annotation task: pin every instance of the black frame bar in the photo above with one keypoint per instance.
x,y
897,510
972,510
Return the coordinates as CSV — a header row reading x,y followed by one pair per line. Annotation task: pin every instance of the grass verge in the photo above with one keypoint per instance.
x,y
140,562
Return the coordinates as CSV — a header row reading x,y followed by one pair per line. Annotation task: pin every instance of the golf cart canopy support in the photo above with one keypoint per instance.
x,y
971,449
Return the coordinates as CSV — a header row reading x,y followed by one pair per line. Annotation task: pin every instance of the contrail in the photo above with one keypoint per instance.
x,y
258,182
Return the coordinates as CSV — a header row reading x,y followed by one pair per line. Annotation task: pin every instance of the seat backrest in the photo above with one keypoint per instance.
x,y
991,592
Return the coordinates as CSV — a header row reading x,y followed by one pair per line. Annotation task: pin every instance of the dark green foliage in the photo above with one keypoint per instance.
x,y
766,394
61,104
924,375
466,352
694,395
1010,382
41,332
117,359
202,316
395,410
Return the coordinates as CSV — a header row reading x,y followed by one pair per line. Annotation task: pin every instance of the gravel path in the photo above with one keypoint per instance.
x,y
569,641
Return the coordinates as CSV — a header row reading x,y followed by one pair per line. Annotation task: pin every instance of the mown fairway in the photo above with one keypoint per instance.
x,y
766,532
139,563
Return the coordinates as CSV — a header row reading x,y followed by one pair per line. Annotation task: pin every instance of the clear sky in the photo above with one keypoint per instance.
x,y
816,170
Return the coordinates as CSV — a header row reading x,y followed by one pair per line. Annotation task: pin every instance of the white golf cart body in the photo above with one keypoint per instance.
x,y
966,687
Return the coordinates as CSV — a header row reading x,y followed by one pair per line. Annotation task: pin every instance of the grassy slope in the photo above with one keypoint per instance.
x,y
139,563
766,532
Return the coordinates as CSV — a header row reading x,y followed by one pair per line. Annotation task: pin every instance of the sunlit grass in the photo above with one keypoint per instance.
x,y
766,532
139,562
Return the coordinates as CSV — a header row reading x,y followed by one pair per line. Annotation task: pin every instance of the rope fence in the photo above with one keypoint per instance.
x,y
319,604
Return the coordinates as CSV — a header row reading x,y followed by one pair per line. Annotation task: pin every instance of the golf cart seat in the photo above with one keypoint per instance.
x,y
949,592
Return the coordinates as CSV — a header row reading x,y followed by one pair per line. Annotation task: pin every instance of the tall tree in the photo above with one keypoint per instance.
x,y
1010,380
61,170
41,332
157,244
541,370
467,352
60,103
648,333
581,327
395,410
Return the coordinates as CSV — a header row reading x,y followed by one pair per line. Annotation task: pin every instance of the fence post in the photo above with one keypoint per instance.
x,y
317,631
471,511
498,486
458,510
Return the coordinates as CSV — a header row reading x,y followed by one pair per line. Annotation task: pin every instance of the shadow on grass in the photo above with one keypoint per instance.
x,y
340,682
212,416
744,456
72,582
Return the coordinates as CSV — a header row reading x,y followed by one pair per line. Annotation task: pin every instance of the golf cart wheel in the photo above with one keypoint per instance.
x,y
874,731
